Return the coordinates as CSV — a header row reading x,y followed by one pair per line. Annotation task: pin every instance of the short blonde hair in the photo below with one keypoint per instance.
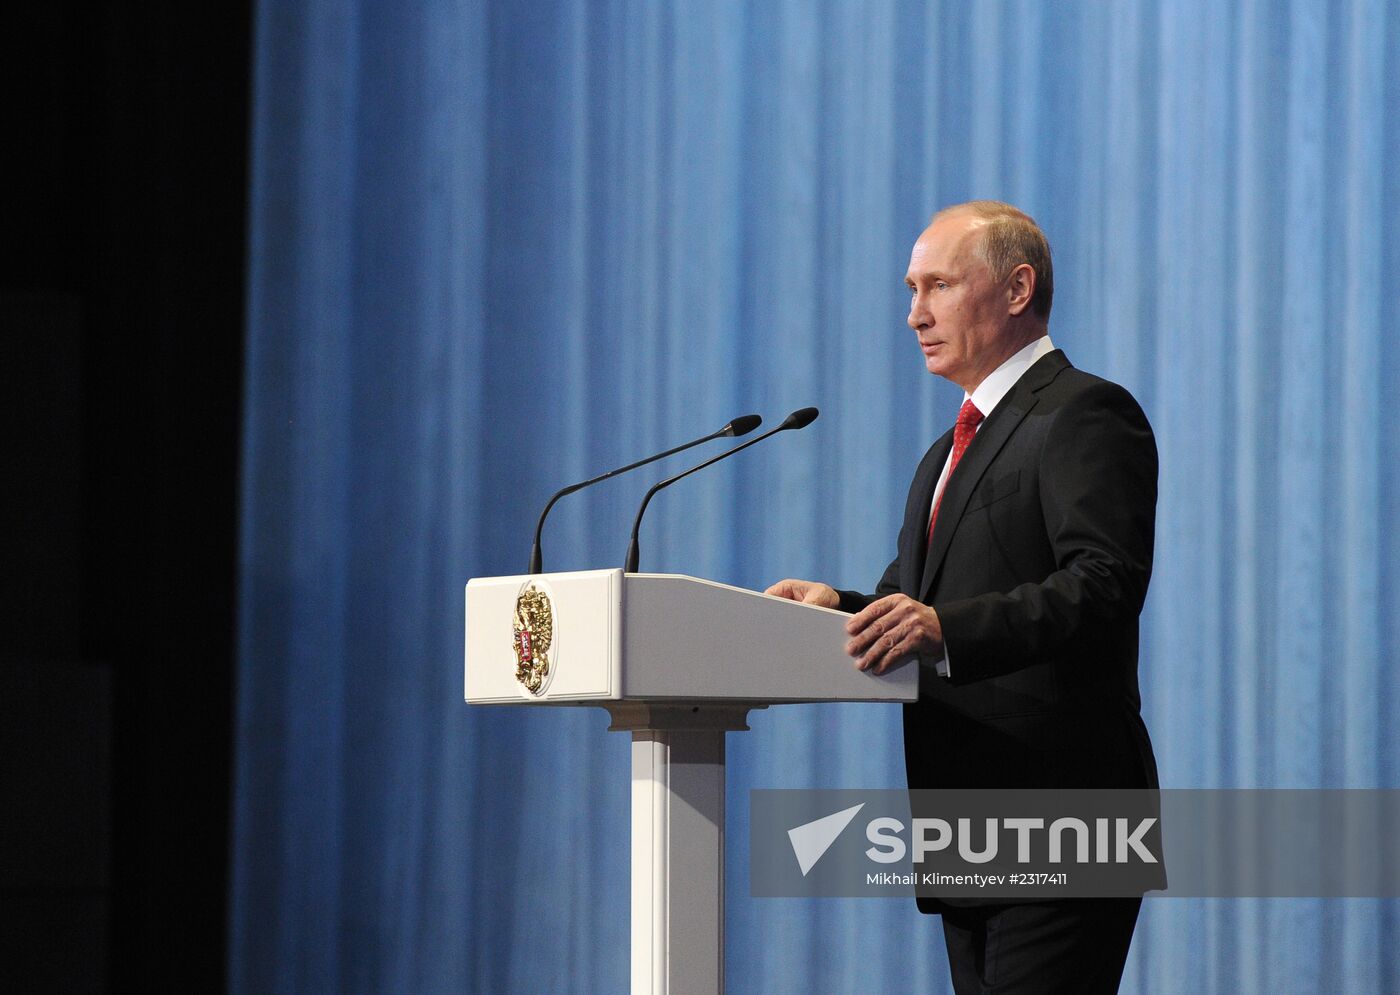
x,y
1011,237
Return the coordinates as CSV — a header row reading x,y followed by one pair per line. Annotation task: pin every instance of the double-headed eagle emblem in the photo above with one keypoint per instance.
x,y
533,628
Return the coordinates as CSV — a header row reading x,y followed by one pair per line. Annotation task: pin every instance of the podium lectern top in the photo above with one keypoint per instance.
x,y
597,636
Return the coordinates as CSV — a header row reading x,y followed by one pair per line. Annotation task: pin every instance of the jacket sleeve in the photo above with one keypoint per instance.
x,y
1098,497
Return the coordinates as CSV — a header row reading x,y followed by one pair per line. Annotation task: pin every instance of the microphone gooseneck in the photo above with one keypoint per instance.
x,y
800,418
742,425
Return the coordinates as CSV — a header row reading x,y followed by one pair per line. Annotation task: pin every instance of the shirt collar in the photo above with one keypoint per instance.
x,y
1000,381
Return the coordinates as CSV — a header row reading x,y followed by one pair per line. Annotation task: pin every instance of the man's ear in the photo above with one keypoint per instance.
x,y
1020,288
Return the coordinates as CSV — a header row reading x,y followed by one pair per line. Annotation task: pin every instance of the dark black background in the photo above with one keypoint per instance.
x,y
121,335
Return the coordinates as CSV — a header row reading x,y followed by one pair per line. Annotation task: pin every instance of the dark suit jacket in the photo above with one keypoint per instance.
x,y
1038,569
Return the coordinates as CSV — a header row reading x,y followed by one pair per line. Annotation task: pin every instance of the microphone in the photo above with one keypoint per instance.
x,y
739,426
800,418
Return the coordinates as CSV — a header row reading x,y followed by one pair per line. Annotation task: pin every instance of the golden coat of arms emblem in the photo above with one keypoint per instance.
x,y
533,634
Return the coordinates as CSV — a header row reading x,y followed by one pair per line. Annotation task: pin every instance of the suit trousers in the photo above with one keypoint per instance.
x,y
1073,945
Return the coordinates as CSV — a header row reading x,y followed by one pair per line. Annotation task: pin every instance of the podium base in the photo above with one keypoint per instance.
x,y
678,841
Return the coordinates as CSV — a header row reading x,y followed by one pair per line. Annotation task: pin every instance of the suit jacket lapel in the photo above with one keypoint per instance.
x,y
911,560
990,439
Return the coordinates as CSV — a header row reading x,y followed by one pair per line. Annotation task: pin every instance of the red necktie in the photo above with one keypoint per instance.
x,y
968,420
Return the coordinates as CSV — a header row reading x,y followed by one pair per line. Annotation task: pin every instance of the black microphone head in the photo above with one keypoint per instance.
x,y
800,418
741,426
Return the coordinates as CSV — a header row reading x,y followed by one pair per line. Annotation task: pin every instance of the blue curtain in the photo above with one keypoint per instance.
x,y
499,247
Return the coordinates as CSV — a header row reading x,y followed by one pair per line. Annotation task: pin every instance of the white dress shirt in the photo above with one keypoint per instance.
x,y
985,398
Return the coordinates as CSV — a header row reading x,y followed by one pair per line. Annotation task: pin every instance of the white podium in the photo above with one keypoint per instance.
x,y
678,662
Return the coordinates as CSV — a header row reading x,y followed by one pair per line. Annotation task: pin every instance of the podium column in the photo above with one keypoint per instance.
x,y
677,842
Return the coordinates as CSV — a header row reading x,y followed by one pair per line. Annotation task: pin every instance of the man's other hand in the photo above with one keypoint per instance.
x,y
891,630
809,592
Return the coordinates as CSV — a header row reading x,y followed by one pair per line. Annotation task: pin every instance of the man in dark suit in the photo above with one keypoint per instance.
x,y
1021,569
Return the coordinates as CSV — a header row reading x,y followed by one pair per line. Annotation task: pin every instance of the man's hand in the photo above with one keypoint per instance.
x,y
809,592
892,629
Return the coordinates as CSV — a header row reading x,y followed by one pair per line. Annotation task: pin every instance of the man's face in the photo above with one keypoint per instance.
x,y
958,310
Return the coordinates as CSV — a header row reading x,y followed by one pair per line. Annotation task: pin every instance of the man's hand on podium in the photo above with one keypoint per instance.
x,y
887,633
892,631
809,592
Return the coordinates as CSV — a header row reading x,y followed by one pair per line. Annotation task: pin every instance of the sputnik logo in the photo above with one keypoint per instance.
x,y
812,839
